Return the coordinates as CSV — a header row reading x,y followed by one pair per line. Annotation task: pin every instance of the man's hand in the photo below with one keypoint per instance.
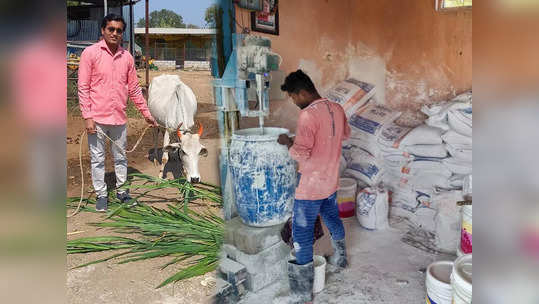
x,y
151,121
285,140
90,126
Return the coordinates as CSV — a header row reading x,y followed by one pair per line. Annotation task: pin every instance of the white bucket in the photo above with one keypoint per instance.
x,y
346,197
466,230
461,280
438,283
319,263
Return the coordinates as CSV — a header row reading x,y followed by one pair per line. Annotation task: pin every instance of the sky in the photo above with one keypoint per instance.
x,y
192,11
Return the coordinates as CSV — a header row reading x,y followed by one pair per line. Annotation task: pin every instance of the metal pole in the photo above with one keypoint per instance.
x,y
106,6
132,30
147,52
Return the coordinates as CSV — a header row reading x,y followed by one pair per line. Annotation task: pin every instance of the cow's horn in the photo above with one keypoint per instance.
x,y
178,131
200,129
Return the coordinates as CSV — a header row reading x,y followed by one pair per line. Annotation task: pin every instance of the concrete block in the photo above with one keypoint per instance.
x,y
251,240
263,268
234,272
225,293
258,281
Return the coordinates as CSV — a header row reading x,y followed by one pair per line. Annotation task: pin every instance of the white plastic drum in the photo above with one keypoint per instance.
x,y
438,283
461,280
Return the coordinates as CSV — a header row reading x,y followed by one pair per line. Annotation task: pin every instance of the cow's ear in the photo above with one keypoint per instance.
x,y
172,146
203,152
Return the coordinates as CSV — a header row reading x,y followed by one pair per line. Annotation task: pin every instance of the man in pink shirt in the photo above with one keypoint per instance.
x,y
321,128
107,77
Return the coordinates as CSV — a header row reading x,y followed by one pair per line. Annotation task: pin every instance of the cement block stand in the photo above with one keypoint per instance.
x,y
260,251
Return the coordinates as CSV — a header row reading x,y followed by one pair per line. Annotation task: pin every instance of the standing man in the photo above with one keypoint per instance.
x,y
107,77
321,128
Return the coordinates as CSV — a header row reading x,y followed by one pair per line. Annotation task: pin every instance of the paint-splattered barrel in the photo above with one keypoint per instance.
x,y
264,176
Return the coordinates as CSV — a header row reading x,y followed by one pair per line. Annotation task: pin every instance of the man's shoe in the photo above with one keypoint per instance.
x,y
101,204
339,256
301,280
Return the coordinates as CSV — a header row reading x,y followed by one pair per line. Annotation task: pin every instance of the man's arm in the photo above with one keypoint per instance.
x,y
84,81
135,93
85,77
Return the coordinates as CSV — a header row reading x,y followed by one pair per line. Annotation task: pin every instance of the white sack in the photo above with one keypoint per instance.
x,y
351,94
369,173
392,134
372,209
458,166
438,151
459,151
460,122
452,137
423,135
372,117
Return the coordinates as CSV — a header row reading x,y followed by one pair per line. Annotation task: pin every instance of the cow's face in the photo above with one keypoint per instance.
x,y
190,151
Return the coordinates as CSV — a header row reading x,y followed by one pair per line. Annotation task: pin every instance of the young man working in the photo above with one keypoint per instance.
x,y
107,77
321,128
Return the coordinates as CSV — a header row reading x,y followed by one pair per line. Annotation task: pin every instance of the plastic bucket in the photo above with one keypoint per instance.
x,y
319,263
438,283
461,280
466,230
346,197
263,175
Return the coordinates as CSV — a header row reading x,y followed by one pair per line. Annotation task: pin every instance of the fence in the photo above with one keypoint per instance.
x,y
179,54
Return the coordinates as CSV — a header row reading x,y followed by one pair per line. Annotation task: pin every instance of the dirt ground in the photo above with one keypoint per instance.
x,y
135,282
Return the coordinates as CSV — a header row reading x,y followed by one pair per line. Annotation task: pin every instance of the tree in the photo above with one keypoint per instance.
x,y
163,18
193,26
210,15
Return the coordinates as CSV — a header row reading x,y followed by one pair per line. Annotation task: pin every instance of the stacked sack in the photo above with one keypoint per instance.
x,y
414,170
454,118
422,167
362,151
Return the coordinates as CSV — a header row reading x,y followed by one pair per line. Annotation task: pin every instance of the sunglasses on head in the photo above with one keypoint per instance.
x,y
115,29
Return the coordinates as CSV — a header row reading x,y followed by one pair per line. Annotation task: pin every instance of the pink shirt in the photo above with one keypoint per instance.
x,y
105,82
321,128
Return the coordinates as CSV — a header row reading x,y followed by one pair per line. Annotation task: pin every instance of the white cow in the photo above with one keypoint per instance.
x,y
173,105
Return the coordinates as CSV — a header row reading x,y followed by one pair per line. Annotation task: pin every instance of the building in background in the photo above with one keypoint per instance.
x,y
171,48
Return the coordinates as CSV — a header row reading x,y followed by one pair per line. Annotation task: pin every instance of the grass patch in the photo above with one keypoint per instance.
x,y
182,235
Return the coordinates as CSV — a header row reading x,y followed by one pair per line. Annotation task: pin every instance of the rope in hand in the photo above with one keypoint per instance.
x,y
85,133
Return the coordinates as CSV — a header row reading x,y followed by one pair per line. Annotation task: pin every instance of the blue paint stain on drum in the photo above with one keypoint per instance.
x,y
263,175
